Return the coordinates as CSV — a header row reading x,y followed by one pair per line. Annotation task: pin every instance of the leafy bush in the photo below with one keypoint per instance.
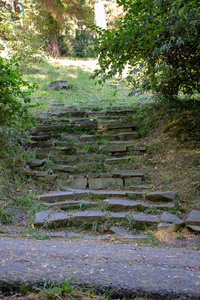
x,y
159,40
81,46
14,91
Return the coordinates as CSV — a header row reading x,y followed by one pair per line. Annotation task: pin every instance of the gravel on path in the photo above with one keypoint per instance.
x,y
158,272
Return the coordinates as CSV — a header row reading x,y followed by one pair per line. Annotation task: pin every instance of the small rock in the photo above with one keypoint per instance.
x,y
161,196
59,85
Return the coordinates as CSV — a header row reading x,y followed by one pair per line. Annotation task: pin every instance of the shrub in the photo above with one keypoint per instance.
x,y
14,91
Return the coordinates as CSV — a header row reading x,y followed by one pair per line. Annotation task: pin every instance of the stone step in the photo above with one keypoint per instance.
x,y
52,218
68,205
83,194
193,220
116,204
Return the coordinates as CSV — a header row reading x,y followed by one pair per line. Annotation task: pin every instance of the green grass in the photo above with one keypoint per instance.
x,y
85,91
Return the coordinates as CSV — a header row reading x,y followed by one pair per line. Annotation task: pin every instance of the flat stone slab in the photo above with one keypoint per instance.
x,y
127,173
113,147
194,228
66,205
142,220
56,196
117,216
171,218
161,196
173,227
120,160
37,163
58,218
62,168
88,217
121,205
41,218
194,218
103,183
139,187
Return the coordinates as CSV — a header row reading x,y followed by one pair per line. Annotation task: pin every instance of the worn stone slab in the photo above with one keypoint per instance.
x,y
88,167
69,137
48,128
78,183
116,216
139,187
62,168
141,148
58,218
56,151
113,147
88,138
56,196
37,173
88,217
171,218
120,160
126,136
193,218
132,180
103,183
110,168
119,125
134,194
60,159
126,234
41,218
163,206
161,196
127,173
66,205
173,227
96,193
100,175
194,228
142,220
37,163
48,178
122,205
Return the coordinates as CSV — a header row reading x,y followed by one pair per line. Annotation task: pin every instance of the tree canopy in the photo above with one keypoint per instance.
x,y
159,41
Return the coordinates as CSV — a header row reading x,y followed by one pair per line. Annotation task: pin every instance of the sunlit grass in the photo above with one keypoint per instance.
x,y
85,91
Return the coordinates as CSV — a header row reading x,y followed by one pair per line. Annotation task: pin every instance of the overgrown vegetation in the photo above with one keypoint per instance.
x,y
172,160
159,40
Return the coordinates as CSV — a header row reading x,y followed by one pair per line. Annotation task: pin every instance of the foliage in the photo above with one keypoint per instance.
x,y
58,290
83,45
159,40
55,17
22,41
14,91
27,45
6,216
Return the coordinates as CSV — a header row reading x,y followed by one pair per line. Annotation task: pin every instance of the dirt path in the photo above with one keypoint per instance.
x,y
128,270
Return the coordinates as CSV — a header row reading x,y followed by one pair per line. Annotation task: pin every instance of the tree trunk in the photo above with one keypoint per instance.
x,y
53,48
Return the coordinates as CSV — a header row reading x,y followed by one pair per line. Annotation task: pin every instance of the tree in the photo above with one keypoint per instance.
x,y
159,40
53,18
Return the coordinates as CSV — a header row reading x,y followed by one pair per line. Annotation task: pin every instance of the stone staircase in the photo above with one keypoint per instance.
x,y
88,156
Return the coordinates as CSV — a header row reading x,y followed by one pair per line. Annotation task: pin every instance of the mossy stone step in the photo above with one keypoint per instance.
x,y
68,205
53,218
